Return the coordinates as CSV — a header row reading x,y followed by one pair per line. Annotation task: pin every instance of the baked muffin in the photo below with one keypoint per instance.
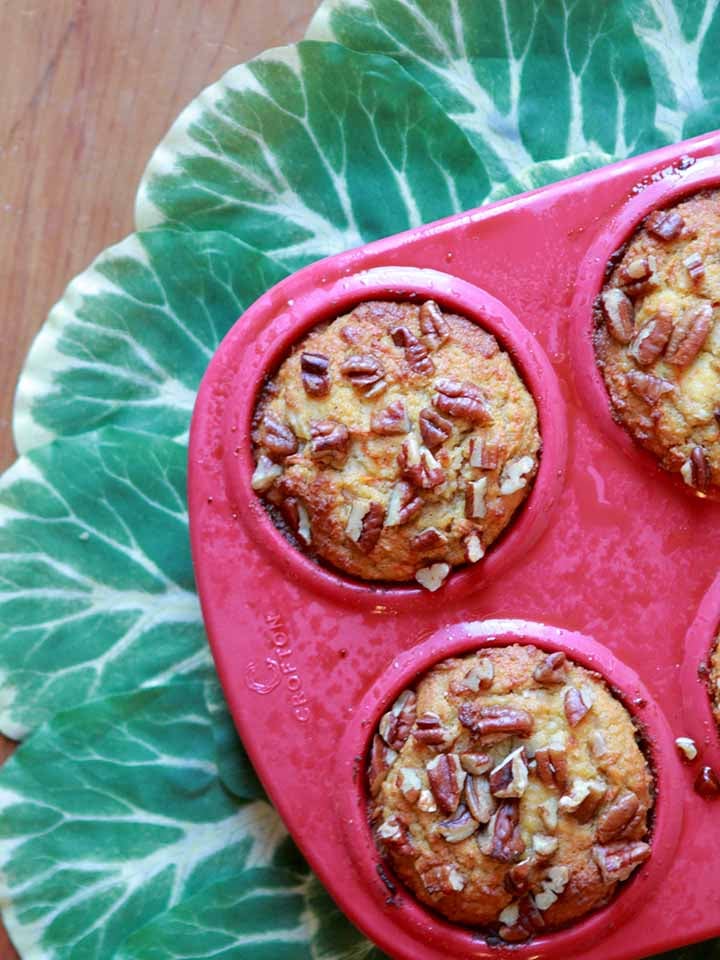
x,y
657,338
509,792
714,679
396,442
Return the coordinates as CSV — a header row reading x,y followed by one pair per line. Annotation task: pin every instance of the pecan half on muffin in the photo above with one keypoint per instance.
x,y
509,792
396,442
657,338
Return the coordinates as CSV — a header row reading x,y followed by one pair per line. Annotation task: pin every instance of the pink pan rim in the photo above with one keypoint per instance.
x,y
351,802
274,332
676,184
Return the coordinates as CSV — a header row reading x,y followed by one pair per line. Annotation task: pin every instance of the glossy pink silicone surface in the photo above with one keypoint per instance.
x,y
611,559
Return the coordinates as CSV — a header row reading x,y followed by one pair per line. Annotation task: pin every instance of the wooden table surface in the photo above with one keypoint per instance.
x,y
89,87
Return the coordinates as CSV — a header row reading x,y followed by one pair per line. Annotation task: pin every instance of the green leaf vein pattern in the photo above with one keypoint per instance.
x,y
130,340
310,150
96,592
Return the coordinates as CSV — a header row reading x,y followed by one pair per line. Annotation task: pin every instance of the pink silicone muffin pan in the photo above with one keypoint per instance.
x,y
610,559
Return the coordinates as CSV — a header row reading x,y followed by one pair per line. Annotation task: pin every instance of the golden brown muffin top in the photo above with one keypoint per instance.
x,y
508,790
657,338
396,441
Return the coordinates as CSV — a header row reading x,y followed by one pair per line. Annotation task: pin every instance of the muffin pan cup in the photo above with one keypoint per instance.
x,y
610,559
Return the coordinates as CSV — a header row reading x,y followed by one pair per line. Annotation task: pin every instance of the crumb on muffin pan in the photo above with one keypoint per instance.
x,y
657,338
508,791
395,442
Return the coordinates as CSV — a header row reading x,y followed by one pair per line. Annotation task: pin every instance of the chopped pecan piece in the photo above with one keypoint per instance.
x,y
552,671
381,759
475,490
530,917
515,932
432,577
665,224
463,400
548,811
358,512
687,747
618,860
689,335
265,474
476,763
416,353
459,828
484,454
394,833
696,470
510,915
638,269
474,549
445,666
428,540
429,729
485,344
652,338
496,722
443,880
365,373
591,804
297,518
277,438
701,473
647,386
478,798
510,777
447,779
434,429
410,783
584,799
351,334
619,314
372,525
517,879
544,846
695,267
551,765
576,706
390,830
707,784
479,677
514,475
391,421
419,466
434,328
551,886
315,373
505,842
403,504
396,724
615,819
597,745
329,440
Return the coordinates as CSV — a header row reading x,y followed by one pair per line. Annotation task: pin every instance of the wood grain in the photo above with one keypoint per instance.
x,y
89,88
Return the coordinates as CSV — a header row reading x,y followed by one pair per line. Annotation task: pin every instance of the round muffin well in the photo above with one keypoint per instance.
x,y
509,791
657,338
395,442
